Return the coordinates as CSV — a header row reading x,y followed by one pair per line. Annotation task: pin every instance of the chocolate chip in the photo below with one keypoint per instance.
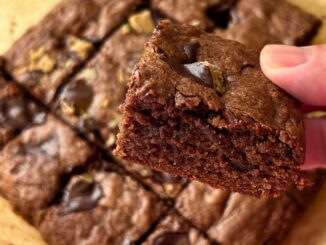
x,y
190,50
172,238
89,124
78,94
200,72
16,113
162,177
80,196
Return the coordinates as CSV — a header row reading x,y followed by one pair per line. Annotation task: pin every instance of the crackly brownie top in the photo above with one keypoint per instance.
x,y
112,208
196,71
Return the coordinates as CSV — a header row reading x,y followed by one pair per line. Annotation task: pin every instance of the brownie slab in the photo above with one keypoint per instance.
x,y
175,230
199,107
51,51
247,220
90,101
34,164
259,22
17,112
100,207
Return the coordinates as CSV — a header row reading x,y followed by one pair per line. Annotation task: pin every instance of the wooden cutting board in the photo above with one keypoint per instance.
x,y
16,16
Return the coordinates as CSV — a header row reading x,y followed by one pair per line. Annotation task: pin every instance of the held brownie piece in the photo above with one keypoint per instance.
x,y
16,111
259,22
100,207
175,230
33,165
91,100
49,52
198,106
248,220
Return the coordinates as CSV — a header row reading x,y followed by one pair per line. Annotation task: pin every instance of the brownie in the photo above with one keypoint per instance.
x,y
175,230
16,111
247,220
34,164
100,207
259,22
198,106
91,100
201,205
43,58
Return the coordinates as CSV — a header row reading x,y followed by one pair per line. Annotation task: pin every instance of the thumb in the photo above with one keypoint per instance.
x,y
299,71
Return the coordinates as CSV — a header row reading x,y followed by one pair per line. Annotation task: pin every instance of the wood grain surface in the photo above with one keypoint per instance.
x,y
16,16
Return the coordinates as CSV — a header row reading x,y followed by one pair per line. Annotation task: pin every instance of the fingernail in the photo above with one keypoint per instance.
x,y
282,56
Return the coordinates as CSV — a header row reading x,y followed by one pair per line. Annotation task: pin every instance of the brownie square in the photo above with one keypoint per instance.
x,y
45,57
198,106
35,163
248,220
90,101
174,229
260,22
99,207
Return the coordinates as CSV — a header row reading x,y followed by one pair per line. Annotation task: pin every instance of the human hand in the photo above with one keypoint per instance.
x,y
302,73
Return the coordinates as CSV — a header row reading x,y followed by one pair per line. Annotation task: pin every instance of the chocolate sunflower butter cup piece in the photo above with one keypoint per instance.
x,y
141,22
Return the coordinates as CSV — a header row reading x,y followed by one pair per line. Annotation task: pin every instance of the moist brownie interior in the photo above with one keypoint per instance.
x,y
198,106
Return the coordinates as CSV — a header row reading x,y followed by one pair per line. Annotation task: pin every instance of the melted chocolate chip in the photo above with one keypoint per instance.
x,y
190,50
16,113
82,195
172,238
200,72
89,124
78,94
161,177
221,13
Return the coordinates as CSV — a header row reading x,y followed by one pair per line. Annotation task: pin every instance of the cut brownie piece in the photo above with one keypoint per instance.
x,y
91,100
205,14
16,111
175,230
100,208
199,107
247,220
49,52
259,22
34,163
201,205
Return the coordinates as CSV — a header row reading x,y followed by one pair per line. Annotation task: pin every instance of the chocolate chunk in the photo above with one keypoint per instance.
x,y
89,124
190,50
172,238
81,195
78,94
200,72
15,113
162,177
